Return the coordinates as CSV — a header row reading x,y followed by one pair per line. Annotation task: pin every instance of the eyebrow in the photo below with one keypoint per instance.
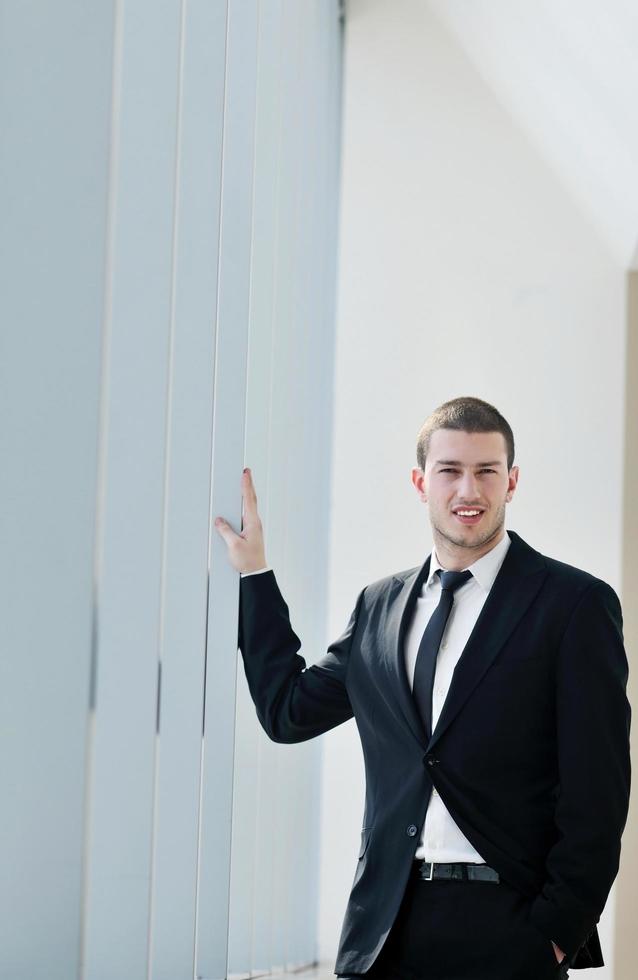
x,y
456,462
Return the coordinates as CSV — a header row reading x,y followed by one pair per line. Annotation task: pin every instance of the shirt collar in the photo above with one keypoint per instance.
x,y
484,570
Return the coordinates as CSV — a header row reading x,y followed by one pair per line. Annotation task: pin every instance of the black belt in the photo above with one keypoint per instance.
x,y
428,870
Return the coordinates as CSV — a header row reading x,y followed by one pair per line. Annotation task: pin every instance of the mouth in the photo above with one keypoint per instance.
x,y
468,515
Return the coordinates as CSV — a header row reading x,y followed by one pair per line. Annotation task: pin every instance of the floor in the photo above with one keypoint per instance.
x,y
323,972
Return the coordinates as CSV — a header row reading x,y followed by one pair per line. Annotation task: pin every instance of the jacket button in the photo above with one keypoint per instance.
x,y
412,830
431,761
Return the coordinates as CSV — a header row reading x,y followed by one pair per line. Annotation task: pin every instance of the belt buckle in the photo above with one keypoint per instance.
x,y
431,863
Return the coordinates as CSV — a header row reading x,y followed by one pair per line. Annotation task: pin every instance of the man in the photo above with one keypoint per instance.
x,y
488,686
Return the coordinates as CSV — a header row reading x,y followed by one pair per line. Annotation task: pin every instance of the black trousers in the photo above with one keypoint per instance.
x,y
465,930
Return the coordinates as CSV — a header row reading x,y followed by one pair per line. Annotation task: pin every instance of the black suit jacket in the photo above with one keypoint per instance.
x,y
530,753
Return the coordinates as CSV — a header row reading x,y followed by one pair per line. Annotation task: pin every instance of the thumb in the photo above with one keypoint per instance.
x,y
225,530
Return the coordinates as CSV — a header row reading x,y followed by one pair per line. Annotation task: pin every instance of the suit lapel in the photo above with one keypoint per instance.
x,y
400,614
515,587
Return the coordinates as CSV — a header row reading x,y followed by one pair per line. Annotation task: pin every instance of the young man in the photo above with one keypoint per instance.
x,y
488,686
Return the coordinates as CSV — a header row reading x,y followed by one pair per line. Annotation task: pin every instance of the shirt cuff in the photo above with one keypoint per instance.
x,y
257,572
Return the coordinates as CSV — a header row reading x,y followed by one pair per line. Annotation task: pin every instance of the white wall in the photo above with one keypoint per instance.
x,y
569,74
465,268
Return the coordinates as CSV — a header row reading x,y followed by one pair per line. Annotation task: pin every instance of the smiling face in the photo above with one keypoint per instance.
x,y
465,471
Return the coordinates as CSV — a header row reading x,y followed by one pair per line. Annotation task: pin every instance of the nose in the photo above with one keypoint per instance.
x,y
468,487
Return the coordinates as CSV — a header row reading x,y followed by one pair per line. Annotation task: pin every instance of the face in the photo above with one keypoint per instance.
x,y
466,471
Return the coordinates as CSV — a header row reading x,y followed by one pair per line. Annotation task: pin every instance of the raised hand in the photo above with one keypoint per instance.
x,y
246,550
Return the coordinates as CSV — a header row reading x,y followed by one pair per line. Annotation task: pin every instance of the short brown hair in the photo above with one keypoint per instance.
x,y
466,414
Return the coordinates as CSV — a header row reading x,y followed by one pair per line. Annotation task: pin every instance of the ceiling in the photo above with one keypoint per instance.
x,y
567,71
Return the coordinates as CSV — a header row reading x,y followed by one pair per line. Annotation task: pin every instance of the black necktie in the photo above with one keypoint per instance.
x,y
430,642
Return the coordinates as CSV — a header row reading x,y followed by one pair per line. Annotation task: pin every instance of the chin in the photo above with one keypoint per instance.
x,y
470,537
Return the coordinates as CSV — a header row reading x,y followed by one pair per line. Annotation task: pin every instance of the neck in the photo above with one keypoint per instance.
x,y
454,557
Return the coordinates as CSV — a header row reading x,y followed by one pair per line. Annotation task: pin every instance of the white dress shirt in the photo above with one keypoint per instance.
x,y
441,839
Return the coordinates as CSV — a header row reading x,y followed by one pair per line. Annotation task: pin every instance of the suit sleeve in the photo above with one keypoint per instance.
x,y
593,722
293,702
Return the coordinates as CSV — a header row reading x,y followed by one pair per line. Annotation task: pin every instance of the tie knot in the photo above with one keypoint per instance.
x,y
451,581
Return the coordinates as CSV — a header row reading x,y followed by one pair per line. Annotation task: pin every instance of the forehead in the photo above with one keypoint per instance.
x,y
466,447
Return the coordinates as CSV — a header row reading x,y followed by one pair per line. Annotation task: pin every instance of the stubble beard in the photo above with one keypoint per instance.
x,y
460,541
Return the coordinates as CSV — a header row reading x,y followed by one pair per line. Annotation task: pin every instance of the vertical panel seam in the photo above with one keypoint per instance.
x,y
102,436
215,325
249,312
167,462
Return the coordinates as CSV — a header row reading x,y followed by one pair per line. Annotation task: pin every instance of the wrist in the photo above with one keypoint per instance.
x,y
255,569
256,566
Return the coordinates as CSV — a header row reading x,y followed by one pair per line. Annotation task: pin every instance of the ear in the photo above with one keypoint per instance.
x,y
513,480
418,480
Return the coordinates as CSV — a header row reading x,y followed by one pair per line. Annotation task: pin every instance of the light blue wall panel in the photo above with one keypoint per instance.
x,y
227,463
309,393
250,907
276,806
290,491
120,816
295,265
187,522
55,90
297,133
321,298
168,192
259,426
